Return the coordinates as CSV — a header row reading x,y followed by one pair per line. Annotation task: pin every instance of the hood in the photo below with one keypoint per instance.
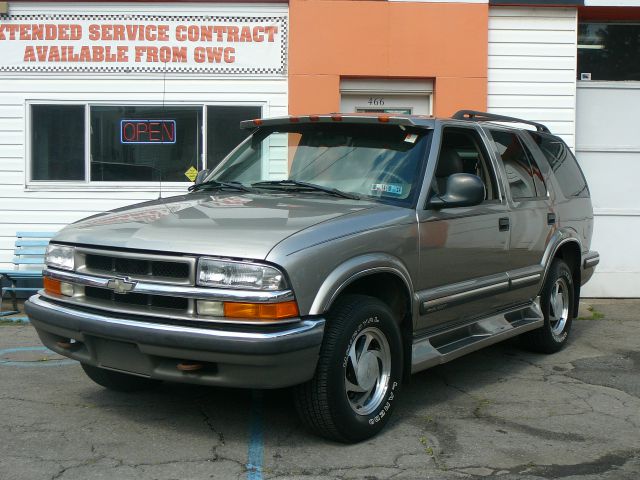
x,y
241,225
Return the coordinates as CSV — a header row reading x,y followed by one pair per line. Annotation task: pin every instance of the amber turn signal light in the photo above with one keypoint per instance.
x,y
261,311
52,286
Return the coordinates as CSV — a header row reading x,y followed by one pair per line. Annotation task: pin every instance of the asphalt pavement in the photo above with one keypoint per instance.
x,y
498,413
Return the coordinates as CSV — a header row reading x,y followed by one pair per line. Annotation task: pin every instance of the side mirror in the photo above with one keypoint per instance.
x,y
463,190
202,174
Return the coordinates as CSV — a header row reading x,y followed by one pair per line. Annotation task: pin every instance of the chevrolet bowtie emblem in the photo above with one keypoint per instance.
x,y
121,285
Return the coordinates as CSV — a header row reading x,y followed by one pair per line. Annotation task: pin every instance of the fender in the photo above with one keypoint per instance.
x,y
558,239
354,268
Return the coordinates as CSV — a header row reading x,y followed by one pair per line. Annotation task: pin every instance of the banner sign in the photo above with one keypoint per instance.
x,y
142,43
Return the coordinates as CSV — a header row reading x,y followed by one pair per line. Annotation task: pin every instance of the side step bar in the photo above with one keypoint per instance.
x,y
444,346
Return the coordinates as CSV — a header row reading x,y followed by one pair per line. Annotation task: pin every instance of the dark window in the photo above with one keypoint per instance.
x,y
224,132
461,151
57,142
517,165
563,164
608,51
133,143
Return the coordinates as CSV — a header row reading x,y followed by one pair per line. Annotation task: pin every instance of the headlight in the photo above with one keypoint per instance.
x,y
226,274
59,256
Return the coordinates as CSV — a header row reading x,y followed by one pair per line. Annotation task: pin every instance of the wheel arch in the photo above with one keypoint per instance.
x,y
568,249
360,269
378,275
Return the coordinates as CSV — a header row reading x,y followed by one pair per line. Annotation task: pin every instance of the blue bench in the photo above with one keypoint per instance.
x,y
28,262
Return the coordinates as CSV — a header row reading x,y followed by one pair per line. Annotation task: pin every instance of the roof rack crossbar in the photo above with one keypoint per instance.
x,y
484,116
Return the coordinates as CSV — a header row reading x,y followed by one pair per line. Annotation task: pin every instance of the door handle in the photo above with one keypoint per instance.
x,y
503,224
551,218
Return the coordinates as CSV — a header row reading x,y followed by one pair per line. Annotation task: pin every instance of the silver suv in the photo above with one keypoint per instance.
x,y
334,253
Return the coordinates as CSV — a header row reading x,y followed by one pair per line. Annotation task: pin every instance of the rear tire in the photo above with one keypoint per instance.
x,y
119,382
359,372
557,303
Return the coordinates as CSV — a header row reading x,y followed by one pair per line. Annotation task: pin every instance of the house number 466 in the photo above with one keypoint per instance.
x,y
376,101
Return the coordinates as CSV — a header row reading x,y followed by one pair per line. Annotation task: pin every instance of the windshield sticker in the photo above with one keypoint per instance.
x,y
411,138
393,188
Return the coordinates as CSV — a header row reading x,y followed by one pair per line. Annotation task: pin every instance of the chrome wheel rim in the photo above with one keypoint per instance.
x,y
367,371
559,306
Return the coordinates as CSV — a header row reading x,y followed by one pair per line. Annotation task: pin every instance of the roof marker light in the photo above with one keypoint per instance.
x,y
336,118
383,118
257,122
314,118
294,119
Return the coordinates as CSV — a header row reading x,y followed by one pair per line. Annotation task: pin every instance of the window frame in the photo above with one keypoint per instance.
x,y
530,157
587,46
482,143
118,185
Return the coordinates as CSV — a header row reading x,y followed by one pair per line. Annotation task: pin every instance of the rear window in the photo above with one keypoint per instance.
x,y
564,165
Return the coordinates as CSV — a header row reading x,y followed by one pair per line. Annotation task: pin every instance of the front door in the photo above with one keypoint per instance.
x,y
464,252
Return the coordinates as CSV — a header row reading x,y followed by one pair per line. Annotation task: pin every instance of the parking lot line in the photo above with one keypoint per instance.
x,y
31,363
256,438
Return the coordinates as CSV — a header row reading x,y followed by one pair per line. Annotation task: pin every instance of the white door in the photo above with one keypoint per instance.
x,y
386,96
608,150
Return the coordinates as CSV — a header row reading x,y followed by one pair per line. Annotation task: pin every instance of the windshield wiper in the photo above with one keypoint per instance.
x,y
215,184
301,186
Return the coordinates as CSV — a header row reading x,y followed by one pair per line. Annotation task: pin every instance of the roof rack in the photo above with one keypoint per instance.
x,y
484,117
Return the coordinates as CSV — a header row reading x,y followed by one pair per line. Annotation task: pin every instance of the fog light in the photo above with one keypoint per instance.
x,y
66,289
210,308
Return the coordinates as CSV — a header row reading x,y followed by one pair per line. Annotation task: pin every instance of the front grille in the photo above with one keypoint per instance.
x,y
138,299
136,267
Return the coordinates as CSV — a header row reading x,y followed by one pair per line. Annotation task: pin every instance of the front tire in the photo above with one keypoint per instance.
x,y
119,382
359,372
557,303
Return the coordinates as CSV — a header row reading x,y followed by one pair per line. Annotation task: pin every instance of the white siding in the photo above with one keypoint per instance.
x,y
532,66
26,206
608,149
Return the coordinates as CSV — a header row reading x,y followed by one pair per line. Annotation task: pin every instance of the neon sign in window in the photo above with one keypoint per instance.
x,y
140,131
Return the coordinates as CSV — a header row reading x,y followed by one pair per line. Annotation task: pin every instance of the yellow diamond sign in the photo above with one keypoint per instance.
x,y
191,174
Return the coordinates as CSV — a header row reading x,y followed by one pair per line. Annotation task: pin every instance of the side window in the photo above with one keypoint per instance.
x,y
523,175
563,164
462,151
538,180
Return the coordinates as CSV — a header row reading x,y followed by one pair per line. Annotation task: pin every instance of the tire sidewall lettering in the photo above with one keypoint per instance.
x,y
376,417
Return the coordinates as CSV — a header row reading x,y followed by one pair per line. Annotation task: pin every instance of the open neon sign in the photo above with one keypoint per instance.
x,y
148,131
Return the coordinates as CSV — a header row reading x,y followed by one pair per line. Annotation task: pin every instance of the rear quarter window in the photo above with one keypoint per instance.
x,y
563,164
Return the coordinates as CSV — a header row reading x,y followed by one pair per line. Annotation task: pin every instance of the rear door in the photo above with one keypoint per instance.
x,y
532,218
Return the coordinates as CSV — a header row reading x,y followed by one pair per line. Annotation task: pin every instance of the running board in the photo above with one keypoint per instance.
x,y
444,346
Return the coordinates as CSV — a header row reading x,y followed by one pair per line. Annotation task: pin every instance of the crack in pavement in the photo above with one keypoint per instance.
x,y
606,463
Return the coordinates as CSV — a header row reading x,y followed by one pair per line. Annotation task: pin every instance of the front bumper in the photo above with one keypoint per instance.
x,y
260,357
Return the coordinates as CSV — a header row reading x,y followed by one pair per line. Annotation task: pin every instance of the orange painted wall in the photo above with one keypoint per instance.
x,y
330,39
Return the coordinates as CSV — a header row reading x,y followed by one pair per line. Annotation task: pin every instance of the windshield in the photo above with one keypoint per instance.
x,y
381,162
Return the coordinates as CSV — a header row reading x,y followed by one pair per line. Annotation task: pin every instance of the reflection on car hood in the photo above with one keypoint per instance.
x,y
243,225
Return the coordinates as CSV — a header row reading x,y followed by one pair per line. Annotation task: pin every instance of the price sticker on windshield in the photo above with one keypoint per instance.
x,y
392,188
411,138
